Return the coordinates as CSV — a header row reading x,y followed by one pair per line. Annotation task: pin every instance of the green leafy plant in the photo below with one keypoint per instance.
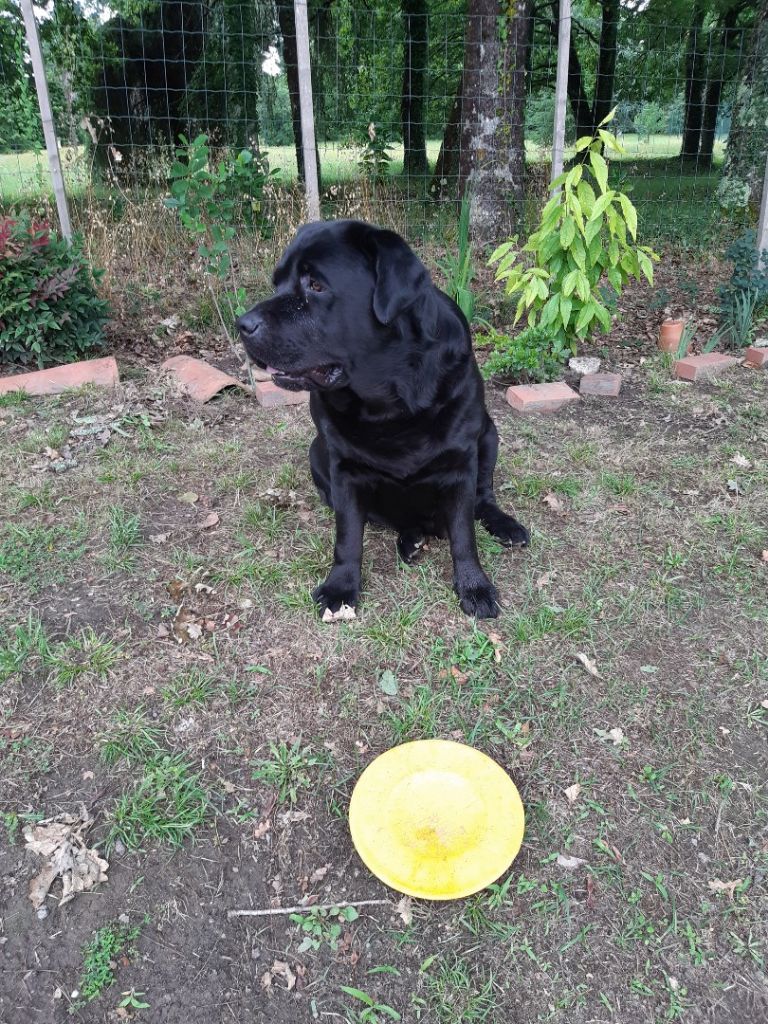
x,y
374,1011
290,769
210,199
100,957
132,1001
650,120
587,232
535,354
375,158
748,277
49,309
323,926
458,267
686,337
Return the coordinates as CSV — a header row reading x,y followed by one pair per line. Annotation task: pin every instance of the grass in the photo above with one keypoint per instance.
x,y
166,804
636,893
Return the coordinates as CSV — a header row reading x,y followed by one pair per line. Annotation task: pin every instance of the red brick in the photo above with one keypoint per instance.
x,y
702,367
528,398
272,397
757,357
200,380
608,384
62,378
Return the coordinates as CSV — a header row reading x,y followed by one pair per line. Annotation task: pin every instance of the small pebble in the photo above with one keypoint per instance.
x,y
119,848
42,913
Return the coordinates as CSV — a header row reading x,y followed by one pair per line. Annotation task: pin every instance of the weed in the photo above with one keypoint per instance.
x,y
25,641
457,992
193,688
374,1011
124,530
100,957
323,926
417,718
131,737
80,656
289,769
132,1001
167,804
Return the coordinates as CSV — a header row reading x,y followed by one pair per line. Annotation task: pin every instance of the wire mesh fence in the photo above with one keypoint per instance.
x,y
392,90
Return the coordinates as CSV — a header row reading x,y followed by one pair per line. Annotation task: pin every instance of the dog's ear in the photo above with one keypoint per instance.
x,y
401,278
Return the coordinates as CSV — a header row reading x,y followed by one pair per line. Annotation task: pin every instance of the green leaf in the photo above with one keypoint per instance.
x,y
602,204
630,214
551,309
583,143
578,253
500,251
388,683
586,195
645,266
585,318
592,230
603,316
583,289
566,304
608,118
573,177
600,169
567,232
615,278
595,248
569,282
611,141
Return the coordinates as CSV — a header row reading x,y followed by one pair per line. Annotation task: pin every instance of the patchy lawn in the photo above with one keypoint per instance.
x,y
216,746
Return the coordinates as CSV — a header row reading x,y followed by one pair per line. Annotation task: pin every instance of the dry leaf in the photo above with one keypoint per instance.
x,y
764,555
210,520
588,664
730,887
733,487
569,863
292,817
203,588
185,626
60,840
546,579
553,503
497,646
319,873
572,793
159,538
262,828
176,589
189,497
404,910
739,460
617,736
279,969
344,614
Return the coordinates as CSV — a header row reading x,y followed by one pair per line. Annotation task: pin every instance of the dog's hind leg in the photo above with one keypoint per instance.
x,y
409,545
503,527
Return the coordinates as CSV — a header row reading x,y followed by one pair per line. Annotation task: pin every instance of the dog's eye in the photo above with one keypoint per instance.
x,y
314,285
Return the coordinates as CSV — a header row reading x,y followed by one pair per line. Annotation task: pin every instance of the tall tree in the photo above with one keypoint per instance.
x,y
695,80
415,57
748,138
718,73
492,159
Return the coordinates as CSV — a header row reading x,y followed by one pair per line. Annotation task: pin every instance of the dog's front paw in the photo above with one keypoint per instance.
x,y
506,529
334,599
479,598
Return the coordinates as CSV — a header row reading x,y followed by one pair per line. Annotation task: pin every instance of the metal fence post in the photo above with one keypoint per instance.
x,y
561,86
46,116
307,112
762,223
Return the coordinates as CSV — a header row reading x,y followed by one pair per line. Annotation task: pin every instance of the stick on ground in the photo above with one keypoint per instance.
x,y
274,911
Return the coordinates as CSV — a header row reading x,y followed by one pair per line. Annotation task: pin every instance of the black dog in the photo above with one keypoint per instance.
x,y
403,435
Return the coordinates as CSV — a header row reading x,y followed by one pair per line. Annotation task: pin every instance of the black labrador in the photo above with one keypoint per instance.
x,y
403,435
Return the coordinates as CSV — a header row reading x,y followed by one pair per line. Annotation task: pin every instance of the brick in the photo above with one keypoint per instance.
x,y
200,380
608,384
531,398
271,396
757,357
62,378
702,367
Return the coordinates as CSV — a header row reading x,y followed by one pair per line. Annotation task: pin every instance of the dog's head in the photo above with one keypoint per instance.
x,y
342,291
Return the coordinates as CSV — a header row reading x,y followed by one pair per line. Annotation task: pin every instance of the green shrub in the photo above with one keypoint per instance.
x,y
583,237
49,309
533,356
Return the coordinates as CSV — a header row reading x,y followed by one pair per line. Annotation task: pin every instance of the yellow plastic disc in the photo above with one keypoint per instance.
x,y
436,819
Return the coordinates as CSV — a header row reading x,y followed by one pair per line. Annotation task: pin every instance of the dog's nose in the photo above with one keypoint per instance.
x,y
250,323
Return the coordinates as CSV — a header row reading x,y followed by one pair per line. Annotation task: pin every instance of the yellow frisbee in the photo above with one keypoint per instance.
x,y
436,819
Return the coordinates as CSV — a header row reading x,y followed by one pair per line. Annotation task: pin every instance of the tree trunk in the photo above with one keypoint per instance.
x,y
287,22
414,76
606,62
447,166
716,81
748,139
694,87
492,158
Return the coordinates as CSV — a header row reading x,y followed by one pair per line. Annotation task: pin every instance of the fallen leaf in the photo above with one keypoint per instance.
x,y
344,614
553,503
61,841
210,520
203,588
498,644
262,828
764,555
740,461
293,817
715,885
616,736
404,910
588,664
319,873
279,969
569,863
572,793
388,683
185,626
733,487
176,589
159,538
189,497
546,579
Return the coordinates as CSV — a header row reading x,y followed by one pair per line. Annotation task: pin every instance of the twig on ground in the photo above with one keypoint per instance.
x,y
275,911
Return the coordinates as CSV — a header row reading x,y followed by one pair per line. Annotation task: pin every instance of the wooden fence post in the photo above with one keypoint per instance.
x,y
46,116
311,184
561,87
